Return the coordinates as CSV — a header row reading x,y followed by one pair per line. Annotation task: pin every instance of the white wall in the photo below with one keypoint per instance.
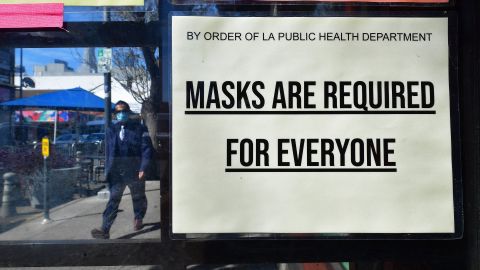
x,y
93,83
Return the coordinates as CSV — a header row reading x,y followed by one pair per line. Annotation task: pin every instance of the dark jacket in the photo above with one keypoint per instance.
x,y
139,145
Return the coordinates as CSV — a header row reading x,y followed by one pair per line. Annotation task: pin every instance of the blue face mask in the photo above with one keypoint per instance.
x,y
122,116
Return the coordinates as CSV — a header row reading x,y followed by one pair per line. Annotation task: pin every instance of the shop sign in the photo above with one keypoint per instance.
x,y
104,56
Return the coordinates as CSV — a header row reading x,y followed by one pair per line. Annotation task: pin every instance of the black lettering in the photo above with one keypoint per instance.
x,y
294,90
242,94
262,150
387,151
327,150
258,104
357,151
360,95
231,100
431,98
411,94
213,96
342,149
330,91
197,96
398,90
373,150
230,151
297,153
279,96
246,145
344,94
372,92
387,95
282,151
311,152
307,94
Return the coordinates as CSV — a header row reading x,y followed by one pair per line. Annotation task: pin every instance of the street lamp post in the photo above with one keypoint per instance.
x,y
107,80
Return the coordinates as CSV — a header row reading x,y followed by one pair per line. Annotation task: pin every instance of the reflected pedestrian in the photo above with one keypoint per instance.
x,y
129,150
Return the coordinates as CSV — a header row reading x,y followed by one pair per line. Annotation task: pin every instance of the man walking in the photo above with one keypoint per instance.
x,y
128,149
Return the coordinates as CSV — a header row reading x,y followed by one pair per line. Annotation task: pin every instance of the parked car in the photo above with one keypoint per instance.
x,y
64,140
68,138
92,144
66,143
96,126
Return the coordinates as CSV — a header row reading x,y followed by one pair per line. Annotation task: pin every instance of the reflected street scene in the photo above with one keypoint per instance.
x,y
83,143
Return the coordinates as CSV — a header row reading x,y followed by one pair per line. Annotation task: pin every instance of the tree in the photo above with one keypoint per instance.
x,y
138,70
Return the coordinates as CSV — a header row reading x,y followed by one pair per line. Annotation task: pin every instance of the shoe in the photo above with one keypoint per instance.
x,y
137,224
100,234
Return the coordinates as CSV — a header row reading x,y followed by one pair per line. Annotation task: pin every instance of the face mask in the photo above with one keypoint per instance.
x,y
122,116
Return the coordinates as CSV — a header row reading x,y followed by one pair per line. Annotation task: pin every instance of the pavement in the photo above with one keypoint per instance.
x,y
74,220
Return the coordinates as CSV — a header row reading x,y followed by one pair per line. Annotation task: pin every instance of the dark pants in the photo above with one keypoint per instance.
x,y
117,186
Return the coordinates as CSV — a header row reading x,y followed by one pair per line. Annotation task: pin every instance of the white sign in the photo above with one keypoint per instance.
x,y
311,125
104,60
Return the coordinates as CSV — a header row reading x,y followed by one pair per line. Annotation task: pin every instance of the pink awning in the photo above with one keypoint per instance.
x,y
31,15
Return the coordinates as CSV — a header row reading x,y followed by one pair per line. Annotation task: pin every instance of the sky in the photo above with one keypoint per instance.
x,y
42,56
81,14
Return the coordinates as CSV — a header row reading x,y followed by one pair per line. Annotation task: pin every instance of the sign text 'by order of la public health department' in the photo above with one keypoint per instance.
x,y
311,125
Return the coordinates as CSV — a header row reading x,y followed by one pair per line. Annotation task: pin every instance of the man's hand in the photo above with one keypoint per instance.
x,y
141,175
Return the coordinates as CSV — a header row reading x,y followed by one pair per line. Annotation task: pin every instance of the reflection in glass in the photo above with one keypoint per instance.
x,y
149,11
77,190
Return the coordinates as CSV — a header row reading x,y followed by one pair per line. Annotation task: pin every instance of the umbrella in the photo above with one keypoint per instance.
x,y
70,99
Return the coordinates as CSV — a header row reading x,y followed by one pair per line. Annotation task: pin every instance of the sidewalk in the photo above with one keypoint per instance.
x,y
75,219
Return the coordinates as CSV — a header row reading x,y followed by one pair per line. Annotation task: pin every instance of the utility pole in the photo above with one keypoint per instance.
x,y
21,131
107,83
46,206
107,80
21,72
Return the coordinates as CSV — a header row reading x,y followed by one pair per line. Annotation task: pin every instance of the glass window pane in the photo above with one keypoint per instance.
x,y
147,12
59,94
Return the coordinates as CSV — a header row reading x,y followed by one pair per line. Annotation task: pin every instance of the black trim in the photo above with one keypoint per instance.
x,y
429,254
85,34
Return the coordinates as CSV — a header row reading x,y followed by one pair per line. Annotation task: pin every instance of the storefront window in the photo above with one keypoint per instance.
x,y
235,135
59,95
